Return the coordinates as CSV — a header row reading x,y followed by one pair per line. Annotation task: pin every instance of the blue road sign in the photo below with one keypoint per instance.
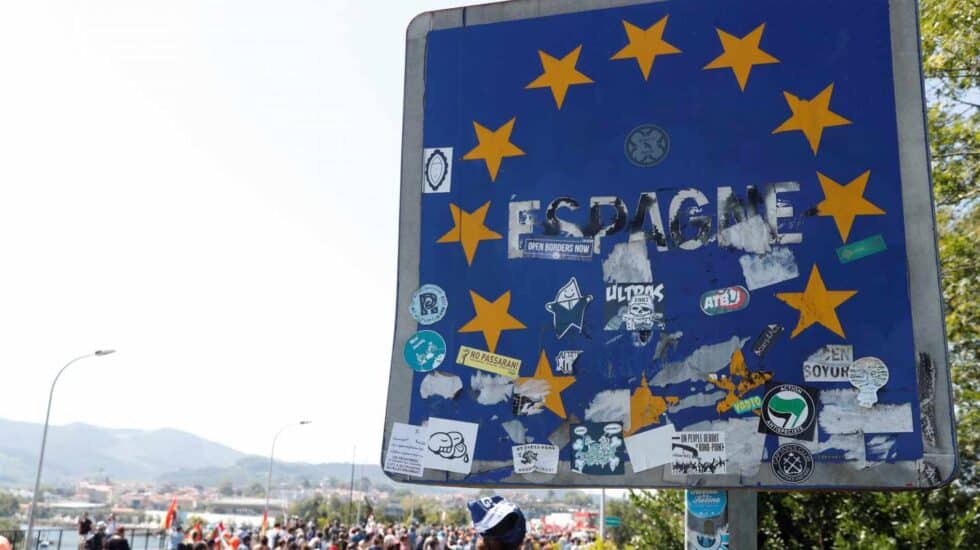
x,y
635,213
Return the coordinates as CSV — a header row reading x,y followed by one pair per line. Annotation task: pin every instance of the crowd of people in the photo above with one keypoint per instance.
x,y
498,524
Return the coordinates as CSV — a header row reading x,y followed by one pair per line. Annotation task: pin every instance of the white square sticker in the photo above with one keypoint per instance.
x,y
450,445
437,169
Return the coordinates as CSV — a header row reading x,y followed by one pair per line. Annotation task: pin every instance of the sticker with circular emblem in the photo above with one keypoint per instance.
x,y
792,463
789,410
425,351
429,304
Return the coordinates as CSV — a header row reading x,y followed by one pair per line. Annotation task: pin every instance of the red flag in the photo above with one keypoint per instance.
x,y
168,521
265,524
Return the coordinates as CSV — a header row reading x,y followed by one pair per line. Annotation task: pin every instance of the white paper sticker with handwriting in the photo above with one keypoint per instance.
x,y
406,449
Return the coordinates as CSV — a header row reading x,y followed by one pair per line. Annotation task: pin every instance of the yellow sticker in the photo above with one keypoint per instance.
x,y
490,362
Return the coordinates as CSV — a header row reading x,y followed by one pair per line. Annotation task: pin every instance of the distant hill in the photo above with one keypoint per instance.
x,y
252,468
77,451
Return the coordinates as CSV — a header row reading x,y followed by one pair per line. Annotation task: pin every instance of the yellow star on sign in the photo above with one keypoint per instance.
x,y
469,229
645,45
811,116
556,385
493,146
646,408
817,304
559,74
741,54
845,202
491,318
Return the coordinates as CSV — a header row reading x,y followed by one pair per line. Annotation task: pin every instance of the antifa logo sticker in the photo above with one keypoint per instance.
x,y
789,410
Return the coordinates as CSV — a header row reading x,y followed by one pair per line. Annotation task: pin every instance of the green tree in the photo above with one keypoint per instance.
x,y
9,505
226,489
948,517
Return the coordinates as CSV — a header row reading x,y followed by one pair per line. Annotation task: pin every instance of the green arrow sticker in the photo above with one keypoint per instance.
x,y
860,249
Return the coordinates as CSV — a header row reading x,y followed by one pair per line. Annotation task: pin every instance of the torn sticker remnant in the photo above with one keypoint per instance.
x,y
830,363
768,269
439,384
565,361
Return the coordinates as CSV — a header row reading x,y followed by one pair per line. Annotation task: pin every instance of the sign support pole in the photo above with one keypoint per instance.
x,y
602,516
743,520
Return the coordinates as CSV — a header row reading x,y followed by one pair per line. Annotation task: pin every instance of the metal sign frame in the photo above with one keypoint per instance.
x,y
939,463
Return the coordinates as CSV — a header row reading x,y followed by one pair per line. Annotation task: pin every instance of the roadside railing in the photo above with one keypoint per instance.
x,y
69,539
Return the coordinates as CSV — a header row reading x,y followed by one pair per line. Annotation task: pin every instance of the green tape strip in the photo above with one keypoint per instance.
x,y
860,249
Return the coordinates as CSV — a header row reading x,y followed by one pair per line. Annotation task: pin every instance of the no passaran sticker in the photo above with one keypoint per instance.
x,y
724,300
425,350
789,410
429,304
490,362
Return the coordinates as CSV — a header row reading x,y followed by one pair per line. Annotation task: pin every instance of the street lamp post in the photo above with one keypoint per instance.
x,y
44,439
272,455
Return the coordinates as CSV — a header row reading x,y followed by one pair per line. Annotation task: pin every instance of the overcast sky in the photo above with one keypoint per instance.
x,y
211,188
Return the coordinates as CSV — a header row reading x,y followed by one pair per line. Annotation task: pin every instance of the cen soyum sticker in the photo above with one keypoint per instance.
x,y
429,304
425,351
789,410
724,300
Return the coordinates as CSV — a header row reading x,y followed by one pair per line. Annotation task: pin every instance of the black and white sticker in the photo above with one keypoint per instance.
x,y
437,169
792,463
789,410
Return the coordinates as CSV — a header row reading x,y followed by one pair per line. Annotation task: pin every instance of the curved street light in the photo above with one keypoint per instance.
x,y
272,455
44,436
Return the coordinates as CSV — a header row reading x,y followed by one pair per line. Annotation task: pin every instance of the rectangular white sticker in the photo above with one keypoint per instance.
x,y
650,448
830,363
698,453
437,170
450,445
406,449
535,457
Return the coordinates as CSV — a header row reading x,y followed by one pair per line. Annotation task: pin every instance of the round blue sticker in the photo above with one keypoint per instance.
x,y
429,304
706,504
425,351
